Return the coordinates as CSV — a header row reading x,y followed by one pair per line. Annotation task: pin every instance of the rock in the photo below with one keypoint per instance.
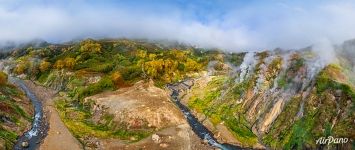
x,y
132,138
163,145
338,93
205,141
24,144
58,132
156,138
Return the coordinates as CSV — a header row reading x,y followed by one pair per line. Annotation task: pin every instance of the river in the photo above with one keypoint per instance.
x,y
39,125
199,129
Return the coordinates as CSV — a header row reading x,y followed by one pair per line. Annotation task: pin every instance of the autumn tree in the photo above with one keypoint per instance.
x,y
117,79
141,54
59,64
192,65
21,68
69,62
90,46
154,67
44,66
3,78
152,56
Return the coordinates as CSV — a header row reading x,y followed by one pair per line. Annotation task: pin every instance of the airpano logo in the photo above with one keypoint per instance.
x,y
331,140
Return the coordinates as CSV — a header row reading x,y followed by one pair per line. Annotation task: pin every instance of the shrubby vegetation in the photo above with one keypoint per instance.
x,y
3,78
13,117
90,67
118,62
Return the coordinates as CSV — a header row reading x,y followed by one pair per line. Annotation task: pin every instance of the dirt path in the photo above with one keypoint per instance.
x,y
59,137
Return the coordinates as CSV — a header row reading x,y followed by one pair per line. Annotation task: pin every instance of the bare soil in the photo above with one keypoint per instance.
x,y
153,105
59,137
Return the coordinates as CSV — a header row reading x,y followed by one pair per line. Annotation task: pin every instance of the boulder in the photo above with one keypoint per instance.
x,y
24,144
156,138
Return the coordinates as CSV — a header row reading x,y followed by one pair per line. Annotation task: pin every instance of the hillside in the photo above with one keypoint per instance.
x,y
113,91
15,113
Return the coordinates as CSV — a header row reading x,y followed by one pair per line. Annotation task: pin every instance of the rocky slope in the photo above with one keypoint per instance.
x,y
278,99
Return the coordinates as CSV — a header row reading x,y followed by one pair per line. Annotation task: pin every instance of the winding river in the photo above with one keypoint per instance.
x,y
39,128
199,129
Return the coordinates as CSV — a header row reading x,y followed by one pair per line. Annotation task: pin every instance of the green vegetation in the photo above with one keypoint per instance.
x,y
82,92
79,121
320,110
89,67
14,119
225,111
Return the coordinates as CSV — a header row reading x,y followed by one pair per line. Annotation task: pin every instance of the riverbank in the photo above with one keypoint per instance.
x,y
58,137
200,130
30,139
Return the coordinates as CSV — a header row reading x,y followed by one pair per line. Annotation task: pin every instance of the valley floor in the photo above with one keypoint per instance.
x,y
59,137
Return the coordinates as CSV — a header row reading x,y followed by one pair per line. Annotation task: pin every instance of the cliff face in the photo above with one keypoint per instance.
x,y
281,99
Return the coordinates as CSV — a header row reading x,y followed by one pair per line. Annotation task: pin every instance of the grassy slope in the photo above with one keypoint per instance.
x,y
14,119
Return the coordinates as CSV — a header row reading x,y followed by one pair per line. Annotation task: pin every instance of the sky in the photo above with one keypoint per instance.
x,y
233,25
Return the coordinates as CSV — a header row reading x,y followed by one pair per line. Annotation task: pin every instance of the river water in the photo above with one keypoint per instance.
x,y
199,129
39,127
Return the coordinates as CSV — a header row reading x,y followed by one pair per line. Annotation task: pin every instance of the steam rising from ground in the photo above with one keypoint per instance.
x,y
233,26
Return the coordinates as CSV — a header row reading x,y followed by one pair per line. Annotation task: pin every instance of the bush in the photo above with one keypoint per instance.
x,y
117,79
3,78
44,66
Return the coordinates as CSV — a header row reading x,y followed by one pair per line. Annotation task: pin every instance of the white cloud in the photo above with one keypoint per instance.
x,y
253,27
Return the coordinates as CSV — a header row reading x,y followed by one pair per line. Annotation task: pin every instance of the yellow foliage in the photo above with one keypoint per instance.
x,y
59,64
21,68
154,67
117,79
69,62
192,65
152,56
142,53
3,78
179,54
90,46
44,66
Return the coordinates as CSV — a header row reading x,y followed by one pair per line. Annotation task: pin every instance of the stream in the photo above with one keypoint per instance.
x,y
199,129
30,139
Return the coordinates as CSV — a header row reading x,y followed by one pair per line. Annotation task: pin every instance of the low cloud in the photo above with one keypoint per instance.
x,y
241,27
